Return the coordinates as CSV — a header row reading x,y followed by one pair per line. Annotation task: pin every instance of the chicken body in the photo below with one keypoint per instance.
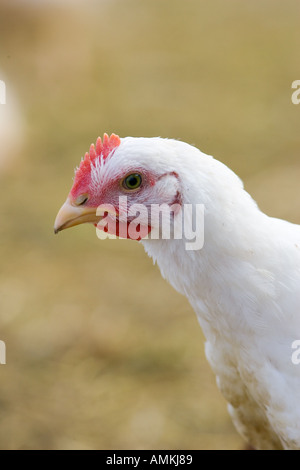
x,y
244,284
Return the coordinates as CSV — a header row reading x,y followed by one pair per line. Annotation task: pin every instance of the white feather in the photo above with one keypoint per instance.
x,y
244,285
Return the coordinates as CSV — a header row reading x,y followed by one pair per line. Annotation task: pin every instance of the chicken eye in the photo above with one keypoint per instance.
x,y
81,199
132,181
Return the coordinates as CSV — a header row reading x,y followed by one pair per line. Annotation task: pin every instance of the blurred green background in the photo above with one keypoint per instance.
x,y
101,352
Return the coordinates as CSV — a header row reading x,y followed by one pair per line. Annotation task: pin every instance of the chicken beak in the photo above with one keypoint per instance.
x,y
70,215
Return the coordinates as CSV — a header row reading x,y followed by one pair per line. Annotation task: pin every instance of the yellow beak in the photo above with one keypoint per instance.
x,y
70,215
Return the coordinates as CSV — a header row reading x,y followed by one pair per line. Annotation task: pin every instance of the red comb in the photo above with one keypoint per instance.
x,y
103,149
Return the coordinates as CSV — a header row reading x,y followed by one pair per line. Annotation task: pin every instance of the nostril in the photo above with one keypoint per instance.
x,y
82,199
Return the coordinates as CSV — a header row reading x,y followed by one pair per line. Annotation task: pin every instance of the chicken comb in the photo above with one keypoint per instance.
x,y
102,150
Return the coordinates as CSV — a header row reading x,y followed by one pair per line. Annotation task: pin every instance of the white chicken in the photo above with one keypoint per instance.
x,y
244,284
